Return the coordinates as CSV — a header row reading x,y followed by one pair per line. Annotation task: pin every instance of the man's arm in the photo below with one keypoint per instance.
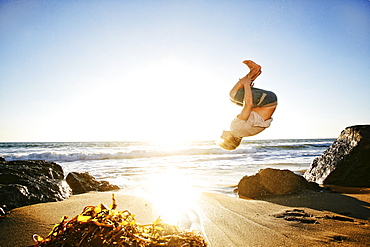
x,y
248,99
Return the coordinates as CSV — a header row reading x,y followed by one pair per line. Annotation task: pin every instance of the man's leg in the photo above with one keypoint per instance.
x,y
255,71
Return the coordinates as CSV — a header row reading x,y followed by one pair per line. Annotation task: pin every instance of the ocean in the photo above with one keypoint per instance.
x,y
150,166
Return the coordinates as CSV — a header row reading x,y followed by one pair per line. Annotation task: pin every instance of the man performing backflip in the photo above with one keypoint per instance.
x,y
258,107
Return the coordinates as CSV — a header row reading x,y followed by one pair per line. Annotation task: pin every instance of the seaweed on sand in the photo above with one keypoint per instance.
x,y
103,226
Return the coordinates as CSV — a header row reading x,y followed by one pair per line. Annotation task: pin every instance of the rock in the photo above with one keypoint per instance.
x,y
28,182
252,187
84,182
2,159
282,182
346,162
273,182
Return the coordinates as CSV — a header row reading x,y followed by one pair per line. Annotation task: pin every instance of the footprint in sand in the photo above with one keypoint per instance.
x,y
296,215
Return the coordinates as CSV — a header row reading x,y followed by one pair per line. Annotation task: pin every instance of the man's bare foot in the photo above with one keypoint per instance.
x,y
251,65
255,69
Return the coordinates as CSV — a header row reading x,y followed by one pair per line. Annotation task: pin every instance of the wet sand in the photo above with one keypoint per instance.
x,y
306,219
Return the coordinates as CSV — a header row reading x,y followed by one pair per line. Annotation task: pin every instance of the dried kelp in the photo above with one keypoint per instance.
x,y
105,226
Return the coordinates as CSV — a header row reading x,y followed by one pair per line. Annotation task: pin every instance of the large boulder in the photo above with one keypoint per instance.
x,y
28,182
273,182
84,182
252,187
346,162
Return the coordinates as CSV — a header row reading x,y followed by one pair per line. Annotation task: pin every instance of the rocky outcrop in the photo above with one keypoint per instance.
x,y
28,182
84,182
273,182
346,162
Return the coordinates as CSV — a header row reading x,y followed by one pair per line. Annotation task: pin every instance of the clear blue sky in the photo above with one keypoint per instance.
x,y
135,70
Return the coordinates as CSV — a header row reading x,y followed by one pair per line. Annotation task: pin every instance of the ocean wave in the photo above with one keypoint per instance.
x,y
134,154
200,151
296,146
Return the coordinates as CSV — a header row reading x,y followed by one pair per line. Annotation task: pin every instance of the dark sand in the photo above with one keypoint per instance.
x,y
331,219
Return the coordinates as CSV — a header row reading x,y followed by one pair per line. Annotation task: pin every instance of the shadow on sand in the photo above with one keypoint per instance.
x,y
326,201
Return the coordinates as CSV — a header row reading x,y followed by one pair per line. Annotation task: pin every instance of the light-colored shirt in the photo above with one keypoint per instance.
x,y
250,127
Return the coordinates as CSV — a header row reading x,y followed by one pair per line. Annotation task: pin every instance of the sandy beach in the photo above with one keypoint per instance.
x,y
306,219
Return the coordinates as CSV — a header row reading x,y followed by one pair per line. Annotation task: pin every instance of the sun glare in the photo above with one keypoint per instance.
x,y
169,96
162,102
174,198
169,144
